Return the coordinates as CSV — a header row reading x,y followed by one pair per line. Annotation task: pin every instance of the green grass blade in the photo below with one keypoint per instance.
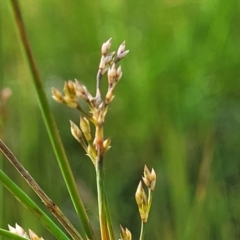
x,y
26,201
10,235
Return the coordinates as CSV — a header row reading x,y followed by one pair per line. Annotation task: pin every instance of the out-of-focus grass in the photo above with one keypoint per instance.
x,y
176,109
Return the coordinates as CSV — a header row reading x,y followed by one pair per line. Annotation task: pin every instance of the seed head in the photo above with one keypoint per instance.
x,y
76,132
112,74
106,144
121,48
106,46
142,202
119,73
149,178
85,127
57,95
125,234
71,102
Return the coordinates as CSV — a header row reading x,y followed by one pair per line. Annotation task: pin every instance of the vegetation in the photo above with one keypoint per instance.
x,y
176,110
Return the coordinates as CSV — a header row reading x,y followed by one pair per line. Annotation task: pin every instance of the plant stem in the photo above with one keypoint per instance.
x,y
108,218
142,230
32,206
101,198
51,125
42,195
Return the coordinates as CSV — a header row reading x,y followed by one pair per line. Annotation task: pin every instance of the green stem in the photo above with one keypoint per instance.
x,y
32,206
108,218
142,233
150,197
51,125
101,198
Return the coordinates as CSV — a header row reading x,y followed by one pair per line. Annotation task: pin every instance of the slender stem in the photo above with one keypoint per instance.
x,y
32,206
98,97
100,191
142,231
51,125
53,208
98,80
150,197
108,218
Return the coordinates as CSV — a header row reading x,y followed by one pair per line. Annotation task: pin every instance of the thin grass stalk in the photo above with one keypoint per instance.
x,y
27,202
108,218
142,232
101,199
53,208
51,125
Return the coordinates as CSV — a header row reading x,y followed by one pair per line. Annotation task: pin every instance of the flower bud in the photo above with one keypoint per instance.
x,y
76,132
106,46
149,178
112,74
121,48
85,127
57,95
106,144
125,234
119,73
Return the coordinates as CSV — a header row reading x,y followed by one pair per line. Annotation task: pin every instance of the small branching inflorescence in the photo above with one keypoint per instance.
x,y
74,91
95,145
143,200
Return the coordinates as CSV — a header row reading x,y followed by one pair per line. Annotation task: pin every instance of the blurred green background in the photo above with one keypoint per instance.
x,y
177,109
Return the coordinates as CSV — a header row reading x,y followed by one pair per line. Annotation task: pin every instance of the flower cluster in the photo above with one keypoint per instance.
x,y
143,201
74,92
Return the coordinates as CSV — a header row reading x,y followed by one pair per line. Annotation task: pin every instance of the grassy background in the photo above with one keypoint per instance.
x,y
177,109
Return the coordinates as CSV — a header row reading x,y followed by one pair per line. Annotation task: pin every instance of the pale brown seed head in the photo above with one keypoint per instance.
x,y
149,178
57,95
112,74
122,55
71,102
106,144
106,46
125,234
121,48
119,73
76,132
85,127
34,236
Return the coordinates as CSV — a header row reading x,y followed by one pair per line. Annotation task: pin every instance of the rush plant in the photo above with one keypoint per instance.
x,y
89,132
